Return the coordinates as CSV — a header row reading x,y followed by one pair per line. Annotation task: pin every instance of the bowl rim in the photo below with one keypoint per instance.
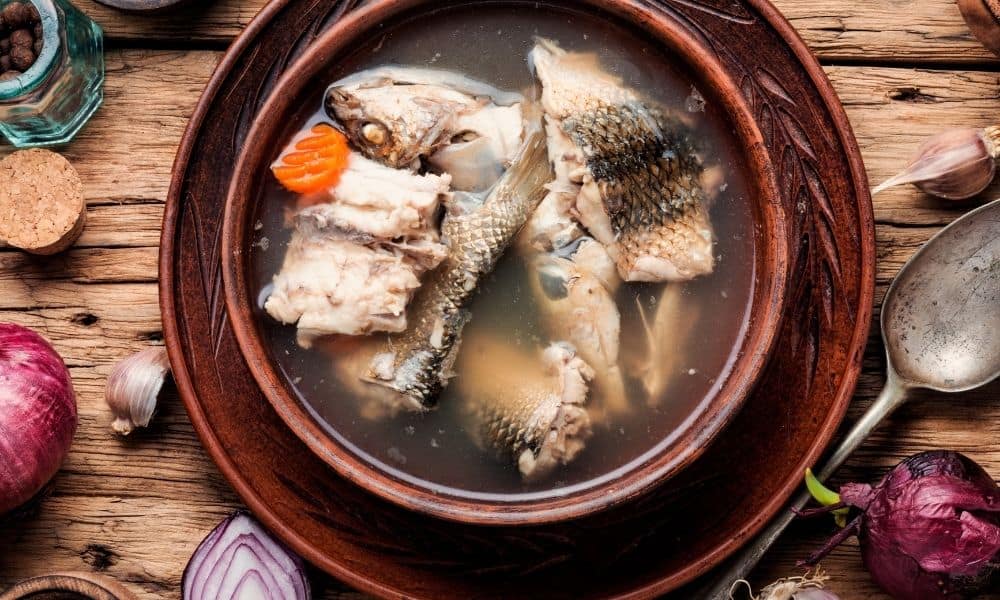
x,y
765,314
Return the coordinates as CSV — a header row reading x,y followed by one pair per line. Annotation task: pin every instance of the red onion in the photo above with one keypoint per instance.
x,y
37,414
240,560
929,530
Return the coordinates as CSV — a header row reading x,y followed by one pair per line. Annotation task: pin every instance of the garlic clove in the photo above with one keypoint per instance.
x,y
133,387
955,164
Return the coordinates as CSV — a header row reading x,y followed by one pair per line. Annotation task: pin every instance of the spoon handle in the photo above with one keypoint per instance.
x,y
892,397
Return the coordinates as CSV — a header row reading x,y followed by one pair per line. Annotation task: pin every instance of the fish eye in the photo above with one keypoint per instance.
x,y
375,133
464,136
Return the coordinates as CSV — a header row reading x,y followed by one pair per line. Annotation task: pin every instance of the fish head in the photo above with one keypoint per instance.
x,y
481,146
394,123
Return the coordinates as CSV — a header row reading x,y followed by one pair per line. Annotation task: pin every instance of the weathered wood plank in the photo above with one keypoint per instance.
x,y
878,30
204,21
909,31
125,153
82,265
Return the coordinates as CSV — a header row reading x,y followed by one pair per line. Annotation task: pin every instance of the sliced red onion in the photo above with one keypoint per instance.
x,y
240,560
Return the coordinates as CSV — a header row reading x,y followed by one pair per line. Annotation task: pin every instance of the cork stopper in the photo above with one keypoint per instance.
x,y
42,209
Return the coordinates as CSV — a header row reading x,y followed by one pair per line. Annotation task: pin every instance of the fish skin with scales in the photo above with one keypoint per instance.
x,y
639,174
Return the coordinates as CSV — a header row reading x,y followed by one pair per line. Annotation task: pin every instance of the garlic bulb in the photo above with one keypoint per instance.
x,y
133,387
955,164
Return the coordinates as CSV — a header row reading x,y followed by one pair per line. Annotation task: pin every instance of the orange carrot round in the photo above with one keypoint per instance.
x,y
315,162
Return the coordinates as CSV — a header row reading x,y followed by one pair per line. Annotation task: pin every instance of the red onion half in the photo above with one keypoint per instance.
x,y
240,560
37,414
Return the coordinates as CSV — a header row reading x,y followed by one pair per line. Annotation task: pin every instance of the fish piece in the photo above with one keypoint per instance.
x,y
350,357
383,202
577,307
354,262
659,361
373,228
553,225
526,407
639,184
400,115
550,227
590,255
418,363
329,285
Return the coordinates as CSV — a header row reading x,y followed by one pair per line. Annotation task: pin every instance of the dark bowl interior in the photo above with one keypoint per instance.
x,y
768,293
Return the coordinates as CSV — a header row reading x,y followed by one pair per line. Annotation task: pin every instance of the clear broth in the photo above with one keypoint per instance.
x,y
432,449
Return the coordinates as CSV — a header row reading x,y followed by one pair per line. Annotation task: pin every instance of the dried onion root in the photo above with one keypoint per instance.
x,y
806,587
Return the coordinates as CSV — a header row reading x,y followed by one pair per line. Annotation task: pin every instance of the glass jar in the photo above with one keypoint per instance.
x,y
57,95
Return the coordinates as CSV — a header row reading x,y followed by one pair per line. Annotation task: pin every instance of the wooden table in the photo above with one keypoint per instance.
x,y
136,508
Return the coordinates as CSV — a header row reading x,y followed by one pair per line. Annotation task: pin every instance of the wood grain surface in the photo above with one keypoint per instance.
x,y
135,509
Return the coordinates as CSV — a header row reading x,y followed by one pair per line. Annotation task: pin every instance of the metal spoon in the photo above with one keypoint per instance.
x,y
941,330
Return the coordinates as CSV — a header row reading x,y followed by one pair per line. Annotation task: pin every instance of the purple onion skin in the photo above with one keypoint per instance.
x,y
37,414
931,528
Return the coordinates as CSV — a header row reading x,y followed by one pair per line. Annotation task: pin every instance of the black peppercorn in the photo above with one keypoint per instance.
x,y
22,58
16,15
22,38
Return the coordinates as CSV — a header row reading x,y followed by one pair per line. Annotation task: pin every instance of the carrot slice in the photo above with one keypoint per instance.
x,y
313,163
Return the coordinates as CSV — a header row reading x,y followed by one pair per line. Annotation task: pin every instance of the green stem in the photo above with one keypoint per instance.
x,y
826,497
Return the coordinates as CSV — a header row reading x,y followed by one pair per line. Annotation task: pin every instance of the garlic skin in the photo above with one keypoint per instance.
x,y
955,165
133,387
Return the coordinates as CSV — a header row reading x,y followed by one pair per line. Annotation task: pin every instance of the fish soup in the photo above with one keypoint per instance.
x,y
515,349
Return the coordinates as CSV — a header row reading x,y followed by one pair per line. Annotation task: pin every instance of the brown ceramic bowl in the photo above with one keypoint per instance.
x,y
268,134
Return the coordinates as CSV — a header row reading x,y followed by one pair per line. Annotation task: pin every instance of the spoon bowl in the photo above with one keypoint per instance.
x,y
941,315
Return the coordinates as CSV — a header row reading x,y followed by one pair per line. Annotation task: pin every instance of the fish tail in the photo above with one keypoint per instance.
x,y
530,171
